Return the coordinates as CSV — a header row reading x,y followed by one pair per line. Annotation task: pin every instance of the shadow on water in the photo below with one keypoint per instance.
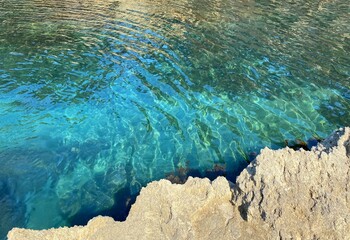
x,y
12,213
124,199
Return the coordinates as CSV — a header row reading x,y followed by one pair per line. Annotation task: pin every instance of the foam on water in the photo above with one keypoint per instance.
x,y
98,99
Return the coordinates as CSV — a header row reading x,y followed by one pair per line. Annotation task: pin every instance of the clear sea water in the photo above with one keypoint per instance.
x,y
98,98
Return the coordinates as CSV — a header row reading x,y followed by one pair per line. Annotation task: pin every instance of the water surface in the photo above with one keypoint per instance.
x,y
98,98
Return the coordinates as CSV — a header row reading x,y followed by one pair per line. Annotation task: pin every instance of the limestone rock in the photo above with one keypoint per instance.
x,y
299,194
283,194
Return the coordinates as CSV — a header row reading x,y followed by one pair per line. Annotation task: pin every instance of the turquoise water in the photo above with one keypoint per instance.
x,y
98,98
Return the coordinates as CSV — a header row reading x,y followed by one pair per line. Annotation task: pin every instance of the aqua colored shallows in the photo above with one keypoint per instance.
x,y
98,98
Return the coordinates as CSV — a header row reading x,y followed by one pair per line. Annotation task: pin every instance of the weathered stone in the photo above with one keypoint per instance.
x,y
299,194
283,194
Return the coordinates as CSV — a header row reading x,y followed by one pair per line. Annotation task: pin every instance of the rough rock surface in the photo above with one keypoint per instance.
x,y
283,194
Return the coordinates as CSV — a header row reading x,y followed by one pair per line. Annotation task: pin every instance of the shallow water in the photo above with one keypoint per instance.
x,y
98,98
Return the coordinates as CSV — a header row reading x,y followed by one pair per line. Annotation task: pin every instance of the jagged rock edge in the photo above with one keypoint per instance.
x,y
250,212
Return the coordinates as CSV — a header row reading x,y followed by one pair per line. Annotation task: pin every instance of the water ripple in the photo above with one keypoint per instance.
x,y
97,98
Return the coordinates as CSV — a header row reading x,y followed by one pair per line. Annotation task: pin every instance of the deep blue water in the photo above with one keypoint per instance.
x,y
98,98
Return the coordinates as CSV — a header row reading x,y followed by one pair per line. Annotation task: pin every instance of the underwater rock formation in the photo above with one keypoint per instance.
x,y
283,194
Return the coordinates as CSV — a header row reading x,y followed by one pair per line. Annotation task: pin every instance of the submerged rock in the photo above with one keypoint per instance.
x,y
283,194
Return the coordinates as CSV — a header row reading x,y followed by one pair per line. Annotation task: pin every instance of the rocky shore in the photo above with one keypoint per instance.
x,y
283,194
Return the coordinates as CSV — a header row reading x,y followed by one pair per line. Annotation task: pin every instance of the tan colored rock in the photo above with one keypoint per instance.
x,y
299,194
283,194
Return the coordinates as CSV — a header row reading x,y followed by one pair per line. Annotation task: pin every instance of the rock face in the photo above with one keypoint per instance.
x,y
283,194
299,194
